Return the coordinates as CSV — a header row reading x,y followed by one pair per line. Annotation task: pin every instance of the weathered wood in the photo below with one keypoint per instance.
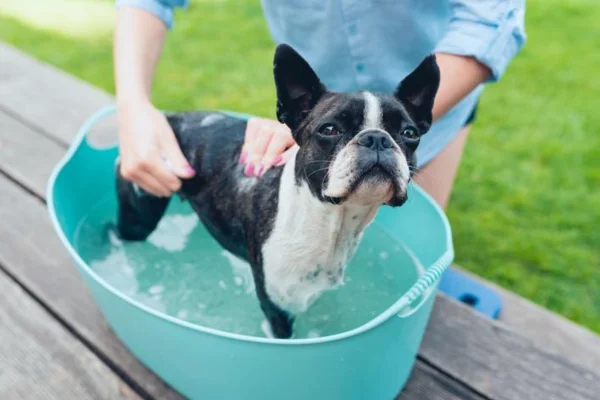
x,y
499,363
33,254
25,155
45,97
572,341
428,383
39,359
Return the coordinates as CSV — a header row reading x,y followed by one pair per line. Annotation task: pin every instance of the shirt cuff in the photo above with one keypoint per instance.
x,y
163,10
493,43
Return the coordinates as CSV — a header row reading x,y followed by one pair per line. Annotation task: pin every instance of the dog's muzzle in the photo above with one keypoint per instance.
x,y
371,169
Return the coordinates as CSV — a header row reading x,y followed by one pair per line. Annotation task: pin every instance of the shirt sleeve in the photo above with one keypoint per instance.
x,y
162,9
491,31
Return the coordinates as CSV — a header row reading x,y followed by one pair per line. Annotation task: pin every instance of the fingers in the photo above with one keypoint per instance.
x,y
152,175
145,180
158,168
176,161
289,153
256,151
252,130
150,154
280,141
153,186
264,145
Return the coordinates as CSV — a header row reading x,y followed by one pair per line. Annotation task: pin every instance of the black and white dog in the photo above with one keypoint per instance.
x,y
298,225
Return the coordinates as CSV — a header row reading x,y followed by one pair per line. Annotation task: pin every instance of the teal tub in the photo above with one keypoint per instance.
x,y
371,362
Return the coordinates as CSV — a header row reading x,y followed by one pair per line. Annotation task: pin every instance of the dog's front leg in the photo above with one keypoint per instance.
x,y
281,322
139,212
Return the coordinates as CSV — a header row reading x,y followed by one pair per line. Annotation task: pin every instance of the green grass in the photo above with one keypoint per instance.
x,y
526,207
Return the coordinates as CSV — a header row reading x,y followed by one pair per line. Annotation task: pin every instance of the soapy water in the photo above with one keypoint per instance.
x,y
180,270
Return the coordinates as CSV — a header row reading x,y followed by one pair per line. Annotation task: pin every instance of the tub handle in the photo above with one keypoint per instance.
x,y
426,286
82,136
408,309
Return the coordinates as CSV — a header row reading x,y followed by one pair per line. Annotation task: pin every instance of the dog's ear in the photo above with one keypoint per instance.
x,y
417,92
298,86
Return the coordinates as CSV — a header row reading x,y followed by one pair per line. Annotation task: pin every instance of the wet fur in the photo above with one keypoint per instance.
x,y
296,237
235,209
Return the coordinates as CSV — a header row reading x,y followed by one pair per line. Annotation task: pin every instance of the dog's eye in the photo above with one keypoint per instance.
x,y
410,133
329,130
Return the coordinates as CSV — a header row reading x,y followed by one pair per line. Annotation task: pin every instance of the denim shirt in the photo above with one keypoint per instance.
x,y
373,44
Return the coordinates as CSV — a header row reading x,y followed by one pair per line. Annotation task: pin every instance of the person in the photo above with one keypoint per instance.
x,y
352,45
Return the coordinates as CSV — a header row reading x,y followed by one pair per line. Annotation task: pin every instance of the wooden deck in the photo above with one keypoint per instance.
x,y
55,344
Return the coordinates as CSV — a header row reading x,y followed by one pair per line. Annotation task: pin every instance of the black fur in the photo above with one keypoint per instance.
x,y
242,220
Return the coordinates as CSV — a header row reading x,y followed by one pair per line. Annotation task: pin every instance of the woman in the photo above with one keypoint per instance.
x,y
352,45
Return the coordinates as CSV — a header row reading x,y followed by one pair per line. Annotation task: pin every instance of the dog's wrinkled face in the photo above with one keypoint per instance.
x,y
356,148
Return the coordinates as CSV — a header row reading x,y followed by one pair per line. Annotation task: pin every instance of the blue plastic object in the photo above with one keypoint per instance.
x,y
372,361
465,289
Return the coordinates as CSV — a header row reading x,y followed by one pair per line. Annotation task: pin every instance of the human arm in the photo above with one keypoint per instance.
x,y
150,154
482,38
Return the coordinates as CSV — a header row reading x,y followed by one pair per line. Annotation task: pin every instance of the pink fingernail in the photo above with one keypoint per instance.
x,y
280,162
189,170
258,170
249,170
243,157
277,160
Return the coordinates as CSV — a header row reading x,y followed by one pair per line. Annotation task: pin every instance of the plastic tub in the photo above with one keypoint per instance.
x,y
372,361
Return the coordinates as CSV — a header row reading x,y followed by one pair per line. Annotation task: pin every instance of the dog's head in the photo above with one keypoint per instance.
x,y
354,147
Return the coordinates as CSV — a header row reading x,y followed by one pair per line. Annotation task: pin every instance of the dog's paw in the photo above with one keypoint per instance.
x,y
282,327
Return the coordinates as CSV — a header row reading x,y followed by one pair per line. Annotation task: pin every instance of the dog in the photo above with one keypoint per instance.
x,y
299,224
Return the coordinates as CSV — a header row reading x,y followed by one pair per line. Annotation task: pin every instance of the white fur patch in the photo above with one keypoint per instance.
x,y
245,183
341,177
310,246
372,116
403,169
211,119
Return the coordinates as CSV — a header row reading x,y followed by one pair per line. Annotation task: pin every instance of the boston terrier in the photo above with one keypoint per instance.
x,y
297,225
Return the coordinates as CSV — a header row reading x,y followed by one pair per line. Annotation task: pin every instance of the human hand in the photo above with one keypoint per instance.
x,y
149,152
267,143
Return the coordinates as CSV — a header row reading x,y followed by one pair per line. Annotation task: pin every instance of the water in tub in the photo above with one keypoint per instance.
x,y
181,271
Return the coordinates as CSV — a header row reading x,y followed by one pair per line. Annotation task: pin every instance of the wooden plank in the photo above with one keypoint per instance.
x,y
45,97
25,155
497,362
428,383
39,359
32,253
572,341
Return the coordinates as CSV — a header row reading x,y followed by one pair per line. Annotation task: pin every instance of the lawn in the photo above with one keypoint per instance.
x,y
526,207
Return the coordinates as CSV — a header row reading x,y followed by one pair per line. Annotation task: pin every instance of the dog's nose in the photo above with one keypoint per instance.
x,y
376,141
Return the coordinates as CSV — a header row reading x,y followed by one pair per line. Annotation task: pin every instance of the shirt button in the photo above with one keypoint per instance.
x,y
352,29
360,67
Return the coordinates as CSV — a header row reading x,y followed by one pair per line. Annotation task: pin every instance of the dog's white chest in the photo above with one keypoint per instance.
x,y
311,243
